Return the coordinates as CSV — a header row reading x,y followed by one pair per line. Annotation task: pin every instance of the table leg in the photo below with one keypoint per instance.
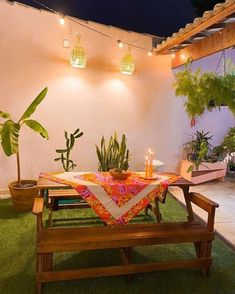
x,y
155,209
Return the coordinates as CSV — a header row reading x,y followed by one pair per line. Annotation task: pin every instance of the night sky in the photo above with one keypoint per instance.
x,y
157,17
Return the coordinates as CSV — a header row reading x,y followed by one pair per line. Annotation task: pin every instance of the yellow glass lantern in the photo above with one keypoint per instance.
x,y
78,55
127,64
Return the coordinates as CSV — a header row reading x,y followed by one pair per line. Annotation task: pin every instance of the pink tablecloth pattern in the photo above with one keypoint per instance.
x,y
115,202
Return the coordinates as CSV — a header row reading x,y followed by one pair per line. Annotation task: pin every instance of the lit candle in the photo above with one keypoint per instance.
x,y
146,167
150,163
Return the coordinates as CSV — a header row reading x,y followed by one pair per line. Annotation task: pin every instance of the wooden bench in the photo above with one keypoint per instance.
x,y
125,237
64,199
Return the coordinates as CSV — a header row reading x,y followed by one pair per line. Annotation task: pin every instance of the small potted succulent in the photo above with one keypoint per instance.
x,y
114,157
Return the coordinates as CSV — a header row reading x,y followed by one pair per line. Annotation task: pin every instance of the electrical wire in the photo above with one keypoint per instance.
x,y
88,27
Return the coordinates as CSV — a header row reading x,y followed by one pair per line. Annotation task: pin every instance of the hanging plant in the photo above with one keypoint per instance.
x,y
205,90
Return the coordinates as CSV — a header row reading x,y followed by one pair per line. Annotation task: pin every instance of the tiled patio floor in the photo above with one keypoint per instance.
x,y
224,194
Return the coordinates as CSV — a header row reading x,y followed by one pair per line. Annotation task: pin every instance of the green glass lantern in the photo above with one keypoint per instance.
x,y
127,64
78,55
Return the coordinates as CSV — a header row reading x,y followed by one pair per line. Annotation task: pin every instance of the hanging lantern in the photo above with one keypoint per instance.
x,y
127,64
78,55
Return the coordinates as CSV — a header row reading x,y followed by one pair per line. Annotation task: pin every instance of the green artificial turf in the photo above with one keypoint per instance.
x,y
17,259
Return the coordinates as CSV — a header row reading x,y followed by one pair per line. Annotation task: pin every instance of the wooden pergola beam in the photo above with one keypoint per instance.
x,y
225,12
214,43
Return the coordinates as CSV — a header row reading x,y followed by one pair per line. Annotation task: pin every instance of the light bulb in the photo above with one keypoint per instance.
x,y
182,56
150,53
120,45
62,21
173,55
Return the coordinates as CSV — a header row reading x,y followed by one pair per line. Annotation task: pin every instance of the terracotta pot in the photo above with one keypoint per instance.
x,y
23,197
123,175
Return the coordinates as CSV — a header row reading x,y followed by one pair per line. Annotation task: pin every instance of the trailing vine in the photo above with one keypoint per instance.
x,y
205,90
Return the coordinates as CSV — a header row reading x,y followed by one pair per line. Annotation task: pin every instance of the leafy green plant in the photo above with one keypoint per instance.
x,y
198,149
10,130
229,147
216,154
114,155
229,141
218,150
205,91
64,157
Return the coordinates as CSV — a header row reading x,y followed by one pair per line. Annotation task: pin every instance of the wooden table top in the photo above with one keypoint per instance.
x,y
43,183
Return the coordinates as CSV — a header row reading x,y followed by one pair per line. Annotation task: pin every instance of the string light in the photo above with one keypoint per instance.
x,y
120,44
173,55
62,21
150,53
127,64
182,56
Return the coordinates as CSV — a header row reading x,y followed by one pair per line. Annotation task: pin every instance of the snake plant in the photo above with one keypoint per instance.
x,y
113,156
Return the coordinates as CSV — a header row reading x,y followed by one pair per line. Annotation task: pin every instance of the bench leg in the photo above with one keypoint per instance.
x,y
47,262
38,288
205,251
208,254
38,285
126,255
44,263
197,246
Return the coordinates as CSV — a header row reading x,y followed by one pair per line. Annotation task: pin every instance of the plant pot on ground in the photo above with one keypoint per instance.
x,y
23,197
22,192
114,157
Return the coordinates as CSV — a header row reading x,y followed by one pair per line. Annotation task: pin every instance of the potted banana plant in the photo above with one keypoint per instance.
x,y
22,191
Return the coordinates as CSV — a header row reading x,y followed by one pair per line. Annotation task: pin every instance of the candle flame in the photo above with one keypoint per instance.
x,y
150,151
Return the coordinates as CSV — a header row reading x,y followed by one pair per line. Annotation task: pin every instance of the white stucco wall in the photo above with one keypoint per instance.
x,y
98,99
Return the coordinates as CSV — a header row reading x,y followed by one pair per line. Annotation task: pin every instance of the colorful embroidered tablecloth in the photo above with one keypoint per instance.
x,y
115,202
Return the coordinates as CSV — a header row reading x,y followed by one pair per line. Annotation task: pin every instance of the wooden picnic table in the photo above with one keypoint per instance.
x,y
124,237
56,191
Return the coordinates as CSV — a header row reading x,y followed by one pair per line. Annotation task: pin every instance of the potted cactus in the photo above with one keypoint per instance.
x,y
22,191
114,157
64,154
